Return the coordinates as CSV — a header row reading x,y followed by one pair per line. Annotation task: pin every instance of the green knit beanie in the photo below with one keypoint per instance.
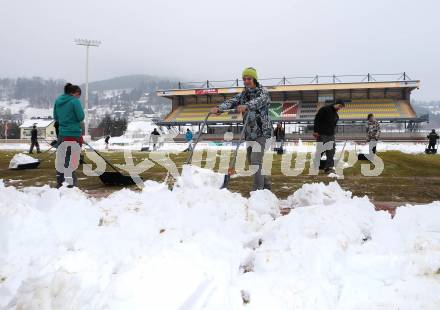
x,y
250,72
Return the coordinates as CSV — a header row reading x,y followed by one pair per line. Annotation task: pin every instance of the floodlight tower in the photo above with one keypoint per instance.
x,y
87,43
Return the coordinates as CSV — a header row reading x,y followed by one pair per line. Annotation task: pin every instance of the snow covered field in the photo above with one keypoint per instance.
x,y
198,247
123,143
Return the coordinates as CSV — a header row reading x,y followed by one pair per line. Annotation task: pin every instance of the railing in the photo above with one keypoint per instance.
x,y
298,80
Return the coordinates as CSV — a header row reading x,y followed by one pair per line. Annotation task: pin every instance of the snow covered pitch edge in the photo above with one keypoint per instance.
x,y
199,247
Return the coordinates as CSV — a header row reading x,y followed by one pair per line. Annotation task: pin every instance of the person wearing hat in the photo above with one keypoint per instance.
x,y
324,130
253,102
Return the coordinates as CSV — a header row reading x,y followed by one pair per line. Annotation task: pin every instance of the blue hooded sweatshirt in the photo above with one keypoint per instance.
x,y
69,114
188,136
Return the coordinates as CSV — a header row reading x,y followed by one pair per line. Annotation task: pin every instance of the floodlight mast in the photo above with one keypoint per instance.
x,y
87,43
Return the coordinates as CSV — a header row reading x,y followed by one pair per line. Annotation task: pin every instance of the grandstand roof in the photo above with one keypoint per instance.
x,y
413,84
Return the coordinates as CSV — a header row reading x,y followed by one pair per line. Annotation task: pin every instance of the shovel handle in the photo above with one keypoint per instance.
x,y
205,121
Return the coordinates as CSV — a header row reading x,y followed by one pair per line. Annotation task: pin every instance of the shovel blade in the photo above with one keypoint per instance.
x,y
116,179
226,181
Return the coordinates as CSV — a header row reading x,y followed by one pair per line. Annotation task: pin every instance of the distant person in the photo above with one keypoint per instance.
x,y
155,137
373,130
432,137
189,139
279,135
69,114
324,130
253,101
34,140
106,140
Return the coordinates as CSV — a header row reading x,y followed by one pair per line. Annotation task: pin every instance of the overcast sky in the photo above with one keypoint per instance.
x,y
201,39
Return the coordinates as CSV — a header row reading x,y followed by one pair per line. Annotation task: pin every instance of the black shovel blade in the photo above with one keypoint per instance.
x,y
226,181
33,165
114,178
362,157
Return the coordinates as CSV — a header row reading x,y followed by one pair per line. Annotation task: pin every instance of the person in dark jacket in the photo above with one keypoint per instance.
x,y
433,137
69,114
253,101
279,135
106,140
324,130
155,137
34,140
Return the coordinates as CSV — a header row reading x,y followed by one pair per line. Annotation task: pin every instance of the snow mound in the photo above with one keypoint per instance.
x,y
318,194
20,159
196,177
205,248
264,203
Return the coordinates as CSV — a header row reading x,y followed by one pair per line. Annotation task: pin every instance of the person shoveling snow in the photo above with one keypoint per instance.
x,y
253,101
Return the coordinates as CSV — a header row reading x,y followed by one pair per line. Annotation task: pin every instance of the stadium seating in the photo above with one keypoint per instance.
x,y
381,108
294,110
278,110
198,112
308,110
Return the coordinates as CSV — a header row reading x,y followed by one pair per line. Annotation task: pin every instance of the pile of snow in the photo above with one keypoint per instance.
x,y
312,195
20,159
196,177
199,247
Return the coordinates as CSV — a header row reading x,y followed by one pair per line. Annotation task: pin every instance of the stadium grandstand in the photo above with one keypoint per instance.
x,y
295,101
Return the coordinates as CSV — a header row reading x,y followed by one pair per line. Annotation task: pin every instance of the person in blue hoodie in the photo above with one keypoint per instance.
x,y
189,139
69,114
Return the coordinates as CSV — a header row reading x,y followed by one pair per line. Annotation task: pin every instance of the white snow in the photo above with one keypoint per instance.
x,y
20,159
199,247
40,123
196,177
133,141
16,106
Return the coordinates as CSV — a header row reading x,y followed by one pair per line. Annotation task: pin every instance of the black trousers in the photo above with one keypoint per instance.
x,y
36,144
329,154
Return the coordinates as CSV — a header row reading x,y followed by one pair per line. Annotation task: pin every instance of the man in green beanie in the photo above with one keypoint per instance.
x,y
253,101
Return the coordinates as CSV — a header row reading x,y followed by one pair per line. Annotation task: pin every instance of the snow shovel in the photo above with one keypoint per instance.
x,y
112,178
323,162
231,169
205,121
362,156
190,155
431,151
35,164
32,165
